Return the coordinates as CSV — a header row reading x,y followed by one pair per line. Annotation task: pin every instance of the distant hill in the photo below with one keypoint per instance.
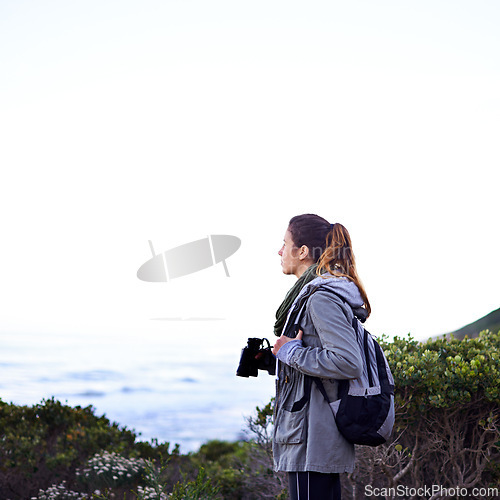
x,y
489,322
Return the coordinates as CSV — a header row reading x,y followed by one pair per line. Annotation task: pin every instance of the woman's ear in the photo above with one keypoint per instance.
x,y
304,252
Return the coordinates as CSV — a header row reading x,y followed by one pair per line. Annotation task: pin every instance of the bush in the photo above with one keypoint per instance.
x,y
43,445
199,489
447,432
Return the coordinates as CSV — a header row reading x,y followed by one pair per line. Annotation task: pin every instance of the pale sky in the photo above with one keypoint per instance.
x,y
127,121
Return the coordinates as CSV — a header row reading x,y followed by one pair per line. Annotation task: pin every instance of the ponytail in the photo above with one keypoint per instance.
x,y
338,259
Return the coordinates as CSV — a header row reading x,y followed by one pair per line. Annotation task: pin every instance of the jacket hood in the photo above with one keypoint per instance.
x,y
343,287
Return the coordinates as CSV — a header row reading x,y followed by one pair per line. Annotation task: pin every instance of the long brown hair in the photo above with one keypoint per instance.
x,y
338,259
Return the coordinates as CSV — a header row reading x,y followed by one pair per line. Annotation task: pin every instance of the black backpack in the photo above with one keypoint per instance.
x,y
364,412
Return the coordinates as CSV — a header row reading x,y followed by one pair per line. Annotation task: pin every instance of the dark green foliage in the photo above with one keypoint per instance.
x,y
447,432
445,373
200,488
44,444
223,461
243,470
222,452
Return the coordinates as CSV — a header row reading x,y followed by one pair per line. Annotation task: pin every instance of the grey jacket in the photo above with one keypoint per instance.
x,y
308,439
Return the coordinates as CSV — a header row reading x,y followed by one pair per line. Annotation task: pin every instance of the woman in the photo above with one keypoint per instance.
x,y
306,442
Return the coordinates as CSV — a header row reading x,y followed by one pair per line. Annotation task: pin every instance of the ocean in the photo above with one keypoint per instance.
x,y
173,380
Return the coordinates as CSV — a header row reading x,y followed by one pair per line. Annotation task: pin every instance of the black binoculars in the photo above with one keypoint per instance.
x,y
255,357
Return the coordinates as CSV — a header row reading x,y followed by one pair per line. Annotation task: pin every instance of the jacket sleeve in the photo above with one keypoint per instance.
x,y
339,357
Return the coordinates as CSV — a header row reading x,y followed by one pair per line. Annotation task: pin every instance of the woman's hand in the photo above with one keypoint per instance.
x,y
283,340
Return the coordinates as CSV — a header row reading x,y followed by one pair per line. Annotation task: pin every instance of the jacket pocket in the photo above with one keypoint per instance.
x,y
290,427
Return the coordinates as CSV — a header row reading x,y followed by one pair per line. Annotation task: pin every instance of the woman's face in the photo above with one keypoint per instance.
x,y
289,254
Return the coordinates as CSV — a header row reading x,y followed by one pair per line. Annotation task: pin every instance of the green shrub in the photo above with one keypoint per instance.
x,y
223,462
447,431
200,488
43,445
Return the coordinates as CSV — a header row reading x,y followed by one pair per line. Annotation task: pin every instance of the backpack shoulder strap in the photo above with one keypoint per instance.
x,y
291,327
355,323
